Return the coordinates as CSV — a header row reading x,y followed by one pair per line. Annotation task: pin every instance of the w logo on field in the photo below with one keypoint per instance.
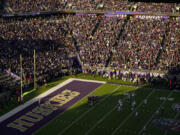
x,y
176,107
167,124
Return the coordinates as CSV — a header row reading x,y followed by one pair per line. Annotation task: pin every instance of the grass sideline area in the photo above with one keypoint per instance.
x,y
159,85
13,103
103,118
100,78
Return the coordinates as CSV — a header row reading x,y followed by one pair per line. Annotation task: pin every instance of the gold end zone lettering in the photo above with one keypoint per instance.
x,y
49,106
60,97
34,117
58,102
17,126
66,91
20,124
75,93
64,97
42,110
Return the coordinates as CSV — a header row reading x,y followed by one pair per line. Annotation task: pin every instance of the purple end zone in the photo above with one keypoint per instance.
x,y
84,88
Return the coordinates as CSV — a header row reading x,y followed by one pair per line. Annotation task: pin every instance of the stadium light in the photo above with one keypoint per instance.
x,y
177,9
70,5
100,6
135,6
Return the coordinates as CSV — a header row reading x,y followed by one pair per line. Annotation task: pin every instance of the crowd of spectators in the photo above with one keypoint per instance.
x,y
138,47
24,6
140,44
7,83
149,43
50,39
145,43
155,7
137,78
95,47
171,53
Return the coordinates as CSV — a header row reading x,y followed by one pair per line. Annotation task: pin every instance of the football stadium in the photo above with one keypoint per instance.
x,y
89,67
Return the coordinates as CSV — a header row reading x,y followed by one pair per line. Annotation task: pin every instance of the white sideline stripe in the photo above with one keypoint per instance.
x,y
103,118
86,112
131,113
28,103
155,113
175,90
88,80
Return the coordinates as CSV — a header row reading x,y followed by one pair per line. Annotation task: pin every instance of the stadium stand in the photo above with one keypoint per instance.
x,y
136,48
95,47
21,6
119,42
140,43
171,50
155,7
8,86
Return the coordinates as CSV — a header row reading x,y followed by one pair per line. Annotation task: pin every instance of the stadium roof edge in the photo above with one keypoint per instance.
x,y
87,12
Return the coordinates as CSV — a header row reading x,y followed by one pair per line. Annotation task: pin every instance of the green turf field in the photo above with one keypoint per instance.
x,y
13,102
105,119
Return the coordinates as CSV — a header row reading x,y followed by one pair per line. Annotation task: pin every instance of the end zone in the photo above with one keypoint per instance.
x,y
29,117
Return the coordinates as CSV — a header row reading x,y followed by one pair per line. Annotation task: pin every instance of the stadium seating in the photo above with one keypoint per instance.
x,y
140,44
120,41
8,86
143,44
21,6
171,52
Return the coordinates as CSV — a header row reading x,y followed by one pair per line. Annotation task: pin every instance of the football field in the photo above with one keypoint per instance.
x,y
104,118
65,111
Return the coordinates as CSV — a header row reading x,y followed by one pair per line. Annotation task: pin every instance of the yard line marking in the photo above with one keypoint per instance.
x,y
131,113
87,112
174,118
155,113
103,118
150,88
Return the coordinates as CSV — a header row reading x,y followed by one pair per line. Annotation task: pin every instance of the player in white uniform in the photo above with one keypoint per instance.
x,y
119,108
133,94
120,104
144,130
133,105
129,96
119,101
157,112
145,101
136,114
